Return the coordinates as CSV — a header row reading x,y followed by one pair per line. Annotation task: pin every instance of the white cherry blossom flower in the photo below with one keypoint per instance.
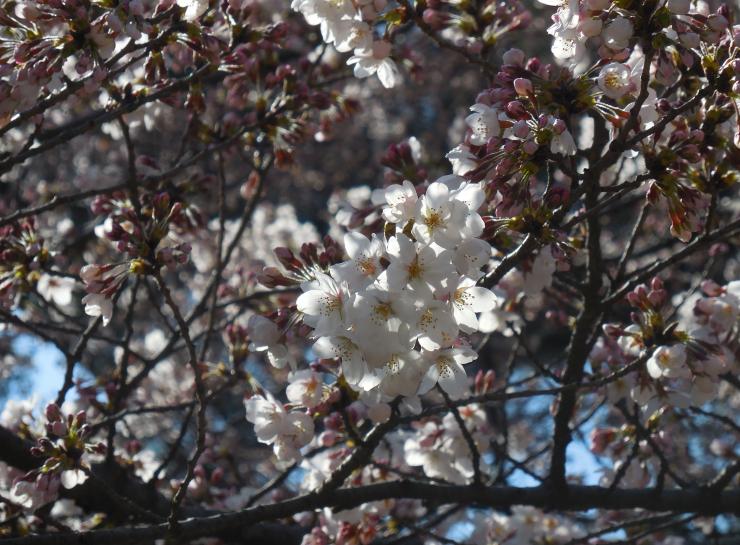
x,y
357,35
393,365
97,304
470,256
446,369
483,123
323,305
668,362
563,143
332,16
540,275
375,313
400,375
614,80
34,494
354,366
57,288
416,266
462,160
433,324
265,337
438,218
401,201
376,60
467,299
471,196
440,451
72,477
568,43
193,8
618,33
273,425
437,463
631,342
364,265
305,388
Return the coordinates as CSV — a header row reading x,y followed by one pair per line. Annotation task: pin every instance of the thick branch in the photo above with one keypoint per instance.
x,y
578,498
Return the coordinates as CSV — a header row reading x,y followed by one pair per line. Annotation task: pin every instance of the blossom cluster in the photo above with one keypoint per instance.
x,y
64,450
611,31
440,449
685,358
146,234
23,258
395,310
513,125
349,26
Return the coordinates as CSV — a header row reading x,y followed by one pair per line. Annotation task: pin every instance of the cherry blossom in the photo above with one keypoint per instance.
x,y
376,60
285,431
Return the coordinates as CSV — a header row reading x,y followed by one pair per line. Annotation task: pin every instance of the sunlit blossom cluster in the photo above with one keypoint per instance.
x,y
394,312
349,26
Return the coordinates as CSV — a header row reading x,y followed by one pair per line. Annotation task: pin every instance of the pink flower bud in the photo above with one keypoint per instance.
x,y
514,56
80,418
523,87
328,438
600,439
217,475
657,298
478,381
530,147
59,428
488,380
533,65
718,23
516,110
711,288
52,412
435,19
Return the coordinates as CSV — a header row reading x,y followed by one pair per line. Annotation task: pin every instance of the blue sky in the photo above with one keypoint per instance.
x,y
47,372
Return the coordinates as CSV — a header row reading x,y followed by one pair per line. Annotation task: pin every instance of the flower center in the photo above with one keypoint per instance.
x,y
383,311
462,298
433,220
366,266
415,269
613,81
